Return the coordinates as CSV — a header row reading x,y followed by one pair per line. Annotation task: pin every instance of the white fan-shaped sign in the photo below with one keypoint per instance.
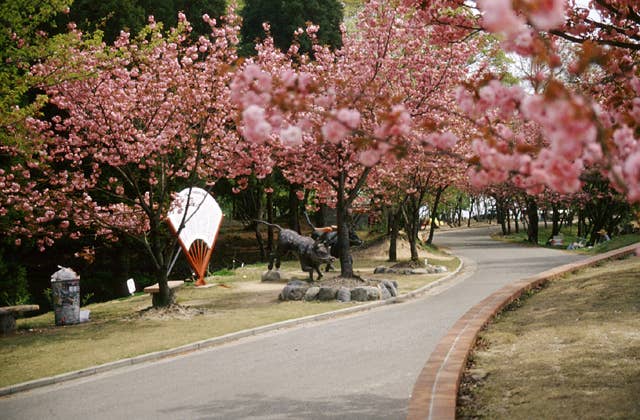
x,y
202,220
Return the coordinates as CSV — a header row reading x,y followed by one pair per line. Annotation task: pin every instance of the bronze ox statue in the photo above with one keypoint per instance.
x,y
311,253
329,236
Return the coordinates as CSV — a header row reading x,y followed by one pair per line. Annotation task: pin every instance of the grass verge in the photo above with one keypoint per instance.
x,y
572,350
570,234
129,327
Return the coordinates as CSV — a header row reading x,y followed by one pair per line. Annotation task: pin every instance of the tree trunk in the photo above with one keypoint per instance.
x,y
294,208
321,215
410,211
532,215
342,210
488,209
415,231
165,296
270,239
394,229
434,211
500,216
413,246
581,224
259,211
555,220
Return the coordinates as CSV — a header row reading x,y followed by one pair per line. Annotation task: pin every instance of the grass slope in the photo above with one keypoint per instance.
x,y
570,351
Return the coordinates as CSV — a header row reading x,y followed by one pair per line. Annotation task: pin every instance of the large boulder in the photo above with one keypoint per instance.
x,y
384,292
359,294
327,293
373,293
344,294
311,293
271,275
294,290
391,286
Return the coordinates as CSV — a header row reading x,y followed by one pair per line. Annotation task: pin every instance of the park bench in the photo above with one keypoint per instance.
x,y
8,316
154,289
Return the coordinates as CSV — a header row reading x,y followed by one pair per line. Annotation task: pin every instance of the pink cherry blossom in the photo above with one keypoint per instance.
x,y
547,14
350,117
443,141
369,157
499,16
256,128
631,173
291,136
334,131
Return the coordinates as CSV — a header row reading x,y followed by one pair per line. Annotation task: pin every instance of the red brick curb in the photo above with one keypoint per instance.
x,y
435,392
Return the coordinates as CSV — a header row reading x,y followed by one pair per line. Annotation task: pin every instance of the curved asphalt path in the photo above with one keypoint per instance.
x,y
361,366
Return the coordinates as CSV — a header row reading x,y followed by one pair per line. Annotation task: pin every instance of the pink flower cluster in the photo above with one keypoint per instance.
x,y
255,127
565,124
344,122
396,123
499,16
626,166
443,141
494,100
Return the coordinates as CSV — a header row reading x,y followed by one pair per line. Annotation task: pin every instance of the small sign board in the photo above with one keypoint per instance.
x,y
195,218
131,286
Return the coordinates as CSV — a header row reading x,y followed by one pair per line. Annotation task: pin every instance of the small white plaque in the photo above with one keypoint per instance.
x,y
131,285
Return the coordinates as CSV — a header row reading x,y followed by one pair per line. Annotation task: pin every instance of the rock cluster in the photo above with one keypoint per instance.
x,y
429,269
302,290
272,275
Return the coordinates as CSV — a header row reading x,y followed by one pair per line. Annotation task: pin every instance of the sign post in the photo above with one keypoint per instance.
x,y
195,219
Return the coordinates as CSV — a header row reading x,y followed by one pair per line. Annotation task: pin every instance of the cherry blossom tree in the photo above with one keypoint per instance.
x,y
145,118
404,185
338,115
594,124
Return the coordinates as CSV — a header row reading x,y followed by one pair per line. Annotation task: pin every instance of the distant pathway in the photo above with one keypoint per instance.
x,y
362,366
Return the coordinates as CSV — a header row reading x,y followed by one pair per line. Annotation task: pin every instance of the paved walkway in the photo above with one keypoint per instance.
x,y
362,366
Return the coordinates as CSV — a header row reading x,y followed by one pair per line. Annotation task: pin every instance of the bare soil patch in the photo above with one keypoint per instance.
x,y
171,312
409,264
379,250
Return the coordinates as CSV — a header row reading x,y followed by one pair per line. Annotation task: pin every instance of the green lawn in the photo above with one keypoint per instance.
x,y
570,234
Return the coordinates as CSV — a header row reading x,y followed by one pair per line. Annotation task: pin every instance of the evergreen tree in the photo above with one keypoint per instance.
x,y
285,16
112,16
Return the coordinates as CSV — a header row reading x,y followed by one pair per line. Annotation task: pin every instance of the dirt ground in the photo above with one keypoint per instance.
x,y
379,251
